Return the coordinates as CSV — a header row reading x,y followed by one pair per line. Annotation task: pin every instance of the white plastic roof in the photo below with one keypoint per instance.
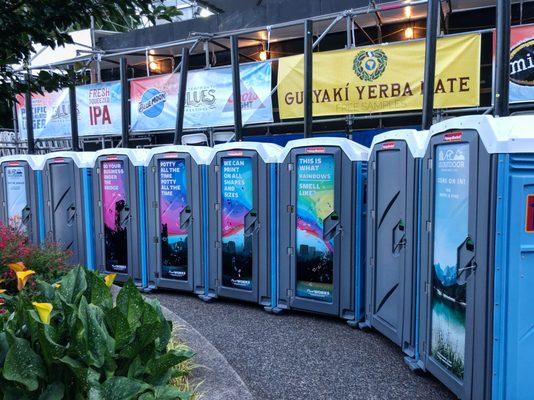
x,y
138,157
36,161
201,154
269,152
417,141
353,150
499,135
85,159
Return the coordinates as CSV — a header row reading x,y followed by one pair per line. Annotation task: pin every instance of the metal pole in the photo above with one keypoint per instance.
x,y
430,62
29,116
73,114
502,59
125,100
236,84
180,110
308,78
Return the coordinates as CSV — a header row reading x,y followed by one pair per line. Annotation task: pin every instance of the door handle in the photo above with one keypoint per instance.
x,y
185,217
251,223
399,237
124,216
465,261
331,226
71,213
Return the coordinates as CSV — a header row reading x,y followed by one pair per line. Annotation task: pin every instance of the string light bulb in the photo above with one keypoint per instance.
x,y
264,55
408,33
408,11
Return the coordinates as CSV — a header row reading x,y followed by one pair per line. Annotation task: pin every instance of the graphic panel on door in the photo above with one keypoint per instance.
x,y
314,204
115,211
237,203
451,216
172,204
16,196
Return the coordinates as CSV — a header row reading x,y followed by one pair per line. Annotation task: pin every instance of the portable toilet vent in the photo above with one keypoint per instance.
x,y
242,221
68,204
477,319
175,217
392,267
120,213
321,222
21,194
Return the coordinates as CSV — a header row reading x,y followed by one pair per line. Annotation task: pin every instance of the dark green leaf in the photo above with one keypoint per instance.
x,y
22,364
73,286
54,391
130,303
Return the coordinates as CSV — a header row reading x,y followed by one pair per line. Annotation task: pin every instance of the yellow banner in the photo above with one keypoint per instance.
x,y
382,78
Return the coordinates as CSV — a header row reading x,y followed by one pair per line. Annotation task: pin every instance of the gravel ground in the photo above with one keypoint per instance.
x,y
303,356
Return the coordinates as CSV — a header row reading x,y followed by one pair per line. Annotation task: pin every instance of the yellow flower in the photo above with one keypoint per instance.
x,y
22,278
57,285
44,310
109,279
2,291
17,267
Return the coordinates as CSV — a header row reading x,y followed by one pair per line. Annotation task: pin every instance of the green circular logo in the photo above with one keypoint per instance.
x,y
370,64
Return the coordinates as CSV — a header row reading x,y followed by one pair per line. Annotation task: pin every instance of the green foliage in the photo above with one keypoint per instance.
x,y
24,24
92,349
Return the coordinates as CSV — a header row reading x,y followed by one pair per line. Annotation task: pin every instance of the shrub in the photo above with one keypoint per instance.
x,y
73,342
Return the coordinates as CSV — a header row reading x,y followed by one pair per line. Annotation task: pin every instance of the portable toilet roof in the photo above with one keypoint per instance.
x,y
81,159
417,141
500,135
269,152
201,154
35,161
353,150
138,157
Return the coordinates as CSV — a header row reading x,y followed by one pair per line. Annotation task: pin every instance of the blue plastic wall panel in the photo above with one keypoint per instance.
x,y
205,227
274,234
419,229
360,238
142,226
40,205
513,341
88,219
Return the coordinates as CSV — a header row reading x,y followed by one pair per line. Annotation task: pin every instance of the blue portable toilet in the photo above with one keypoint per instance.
x,y
68,204
175,190
241,224
21,194
321,227
120,213
477,319
393,232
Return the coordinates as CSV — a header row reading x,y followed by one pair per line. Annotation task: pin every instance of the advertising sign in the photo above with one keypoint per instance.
x,y
451,214
99,109
315,202
521,63
16,197
115,214
208,102
172,202
237,203
382,78
98,105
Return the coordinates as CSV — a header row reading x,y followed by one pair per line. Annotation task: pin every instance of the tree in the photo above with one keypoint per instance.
x,y
23,24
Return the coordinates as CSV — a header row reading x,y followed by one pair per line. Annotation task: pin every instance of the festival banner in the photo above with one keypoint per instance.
x,y
521,63
98,106
382,78
51,114
208,99
99,109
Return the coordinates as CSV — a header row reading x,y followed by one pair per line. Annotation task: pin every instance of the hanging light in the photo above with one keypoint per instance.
x,y
263,55
408,33
408,11
204,12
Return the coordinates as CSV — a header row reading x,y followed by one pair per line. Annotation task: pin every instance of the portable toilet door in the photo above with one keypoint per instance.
x,y
175,218
242,184
476,293
392,267
321,219
120,220
22,201
68,200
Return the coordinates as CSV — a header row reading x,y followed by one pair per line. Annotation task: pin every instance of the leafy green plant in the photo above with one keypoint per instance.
x,y
73,342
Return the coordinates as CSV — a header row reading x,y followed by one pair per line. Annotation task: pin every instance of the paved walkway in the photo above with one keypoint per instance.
x,y
302,356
